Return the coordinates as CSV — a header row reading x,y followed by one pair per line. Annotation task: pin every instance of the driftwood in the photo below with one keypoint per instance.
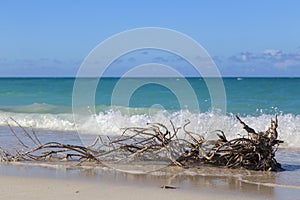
x,y
157,143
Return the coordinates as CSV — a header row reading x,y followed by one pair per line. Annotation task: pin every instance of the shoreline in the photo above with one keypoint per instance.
x,y
32,182
33,188
27,188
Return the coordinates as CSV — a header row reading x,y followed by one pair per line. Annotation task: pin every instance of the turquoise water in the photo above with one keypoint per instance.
x,y
47,103
245,96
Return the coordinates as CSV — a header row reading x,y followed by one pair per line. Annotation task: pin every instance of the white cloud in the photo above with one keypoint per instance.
x,y
272,52
285,64
270,62
244,57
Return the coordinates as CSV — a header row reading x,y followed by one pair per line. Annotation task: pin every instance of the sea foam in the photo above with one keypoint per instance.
x,y
112,121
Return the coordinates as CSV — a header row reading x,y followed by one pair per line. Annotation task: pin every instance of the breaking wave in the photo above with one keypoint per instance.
x,y
110,121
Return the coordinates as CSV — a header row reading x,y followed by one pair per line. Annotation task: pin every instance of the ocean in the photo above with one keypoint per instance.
x,y
45,104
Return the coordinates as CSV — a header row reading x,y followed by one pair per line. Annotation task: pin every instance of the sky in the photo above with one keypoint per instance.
x,y
244,38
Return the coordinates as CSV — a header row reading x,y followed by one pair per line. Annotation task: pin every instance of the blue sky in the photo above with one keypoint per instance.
x,y
245,38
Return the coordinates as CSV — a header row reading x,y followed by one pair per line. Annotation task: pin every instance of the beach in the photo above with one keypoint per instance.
x,y
24,182
149,100
48,113
36,188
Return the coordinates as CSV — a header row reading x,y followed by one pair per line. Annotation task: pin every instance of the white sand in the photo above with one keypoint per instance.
x,y
27,188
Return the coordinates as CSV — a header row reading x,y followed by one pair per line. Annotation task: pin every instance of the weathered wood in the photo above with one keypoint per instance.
x,y
156,143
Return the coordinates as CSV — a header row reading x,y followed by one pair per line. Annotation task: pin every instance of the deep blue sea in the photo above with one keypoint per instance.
x,y
47,103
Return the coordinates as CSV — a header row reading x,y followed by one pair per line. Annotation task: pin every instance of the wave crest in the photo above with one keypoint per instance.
x,y
110,122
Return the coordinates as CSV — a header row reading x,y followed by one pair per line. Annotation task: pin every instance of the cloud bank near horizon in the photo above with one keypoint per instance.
x,y
268,63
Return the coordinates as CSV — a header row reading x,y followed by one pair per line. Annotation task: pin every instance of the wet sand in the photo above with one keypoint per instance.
x,y
51,181
27,188
35,182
